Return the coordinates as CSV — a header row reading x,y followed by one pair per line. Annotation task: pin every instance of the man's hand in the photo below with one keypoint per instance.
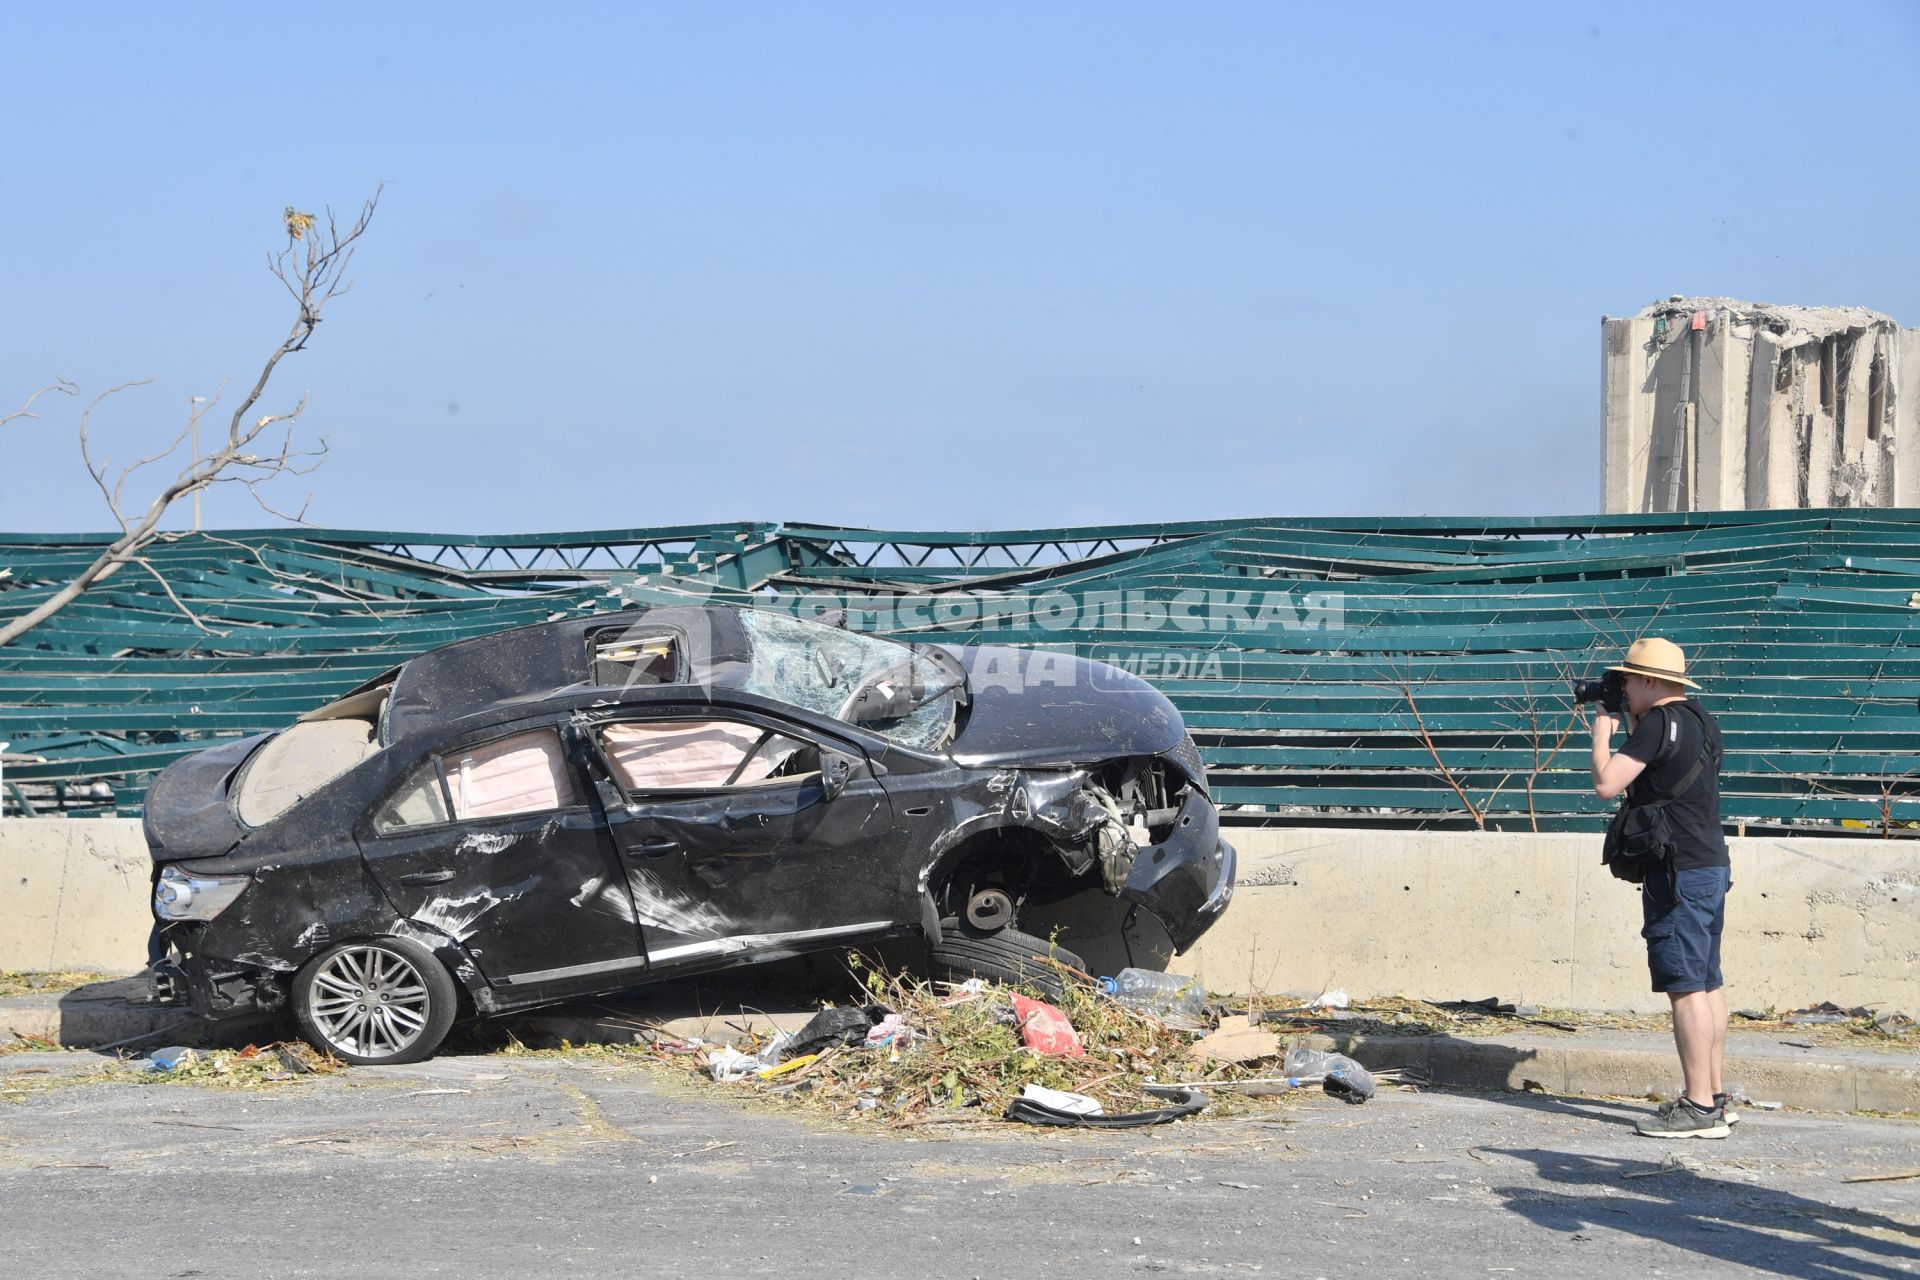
x,y
1602,723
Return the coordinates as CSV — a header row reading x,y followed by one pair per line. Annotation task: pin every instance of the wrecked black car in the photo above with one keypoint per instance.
x,y
578,807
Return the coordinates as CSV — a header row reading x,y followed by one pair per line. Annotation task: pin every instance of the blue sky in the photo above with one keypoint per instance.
x,y
917,267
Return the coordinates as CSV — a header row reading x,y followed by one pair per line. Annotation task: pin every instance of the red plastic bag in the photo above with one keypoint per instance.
x,y
1046,1030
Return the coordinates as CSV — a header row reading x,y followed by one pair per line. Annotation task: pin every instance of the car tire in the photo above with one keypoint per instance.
x,y
1000,955
375,1001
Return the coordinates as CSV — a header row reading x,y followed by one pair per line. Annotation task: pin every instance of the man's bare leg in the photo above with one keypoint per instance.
x,y
1693,1013
1719,996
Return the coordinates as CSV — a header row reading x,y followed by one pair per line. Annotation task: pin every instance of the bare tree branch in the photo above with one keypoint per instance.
x,y
1888,785
58,387
178,603
99,470
1446,774
306,580
312,268
1535,738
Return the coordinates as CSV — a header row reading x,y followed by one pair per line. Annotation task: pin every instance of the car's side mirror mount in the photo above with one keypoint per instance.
x,y
836,769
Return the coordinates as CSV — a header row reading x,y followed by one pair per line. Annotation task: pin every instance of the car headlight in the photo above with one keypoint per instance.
x,y
180,895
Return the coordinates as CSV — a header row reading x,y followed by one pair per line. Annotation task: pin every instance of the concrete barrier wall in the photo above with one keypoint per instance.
x,y
73,894
1536,919
1440,915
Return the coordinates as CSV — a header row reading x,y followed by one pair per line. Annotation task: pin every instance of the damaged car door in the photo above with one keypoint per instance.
x,y
746,837
491,844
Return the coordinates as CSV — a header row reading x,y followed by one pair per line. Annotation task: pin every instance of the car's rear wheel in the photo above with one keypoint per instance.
x,y
376,1001
1000,955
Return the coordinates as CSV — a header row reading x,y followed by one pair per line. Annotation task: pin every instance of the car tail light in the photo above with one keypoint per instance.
x,y
180,895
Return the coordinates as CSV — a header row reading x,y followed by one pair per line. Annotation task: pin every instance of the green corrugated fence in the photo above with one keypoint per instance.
x,y
1407,671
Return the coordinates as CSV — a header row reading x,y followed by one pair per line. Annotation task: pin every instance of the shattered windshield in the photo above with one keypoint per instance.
x,y
905,694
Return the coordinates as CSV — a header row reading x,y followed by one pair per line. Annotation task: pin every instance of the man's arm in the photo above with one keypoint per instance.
x,y
1611,773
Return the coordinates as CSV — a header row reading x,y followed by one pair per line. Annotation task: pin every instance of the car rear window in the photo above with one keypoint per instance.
x,y
296,762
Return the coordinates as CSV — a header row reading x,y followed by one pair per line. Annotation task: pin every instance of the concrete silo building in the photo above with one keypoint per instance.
x,y
1711,404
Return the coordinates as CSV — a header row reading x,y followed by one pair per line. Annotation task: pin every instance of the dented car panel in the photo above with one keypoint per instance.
x,y
583,806
300,896
715,877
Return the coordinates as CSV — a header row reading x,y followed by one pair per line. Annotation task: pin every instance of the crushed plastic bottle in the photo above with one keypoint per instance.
x,y
1151,991
172,1058
1341,1075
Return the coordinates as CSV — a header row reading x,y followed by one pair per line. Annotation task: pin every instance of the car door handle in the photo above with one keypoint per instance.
x,y
654,848
427,877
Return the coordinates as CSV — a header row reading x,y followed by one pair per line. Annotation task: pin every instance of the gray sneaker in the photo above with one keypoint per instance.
x,y
1678,1119
1725,1102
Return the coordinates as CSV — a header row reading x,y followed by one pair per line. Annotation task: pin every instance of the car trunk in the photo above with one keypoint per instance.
x,y
187,811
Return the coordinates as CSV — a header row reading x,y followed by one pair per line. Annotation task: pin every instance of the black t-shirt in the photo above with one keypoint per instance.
x,y
1694,816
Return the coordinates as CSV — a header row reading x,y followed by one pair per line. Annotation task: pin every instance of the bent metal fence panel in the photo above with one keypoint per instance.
x,y
1406,672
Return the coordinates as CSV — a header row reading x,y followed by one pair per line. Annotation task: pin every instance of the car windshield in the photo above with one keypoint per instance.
x,y
908,694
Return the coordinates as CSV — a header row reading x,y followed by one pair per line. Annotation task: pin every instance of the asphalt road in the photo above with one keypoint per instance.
x,y
496,1166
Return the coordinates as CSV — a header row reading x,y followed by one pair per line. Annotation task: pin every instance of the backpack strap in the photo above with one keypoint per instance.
x,y
1659,795
1663,752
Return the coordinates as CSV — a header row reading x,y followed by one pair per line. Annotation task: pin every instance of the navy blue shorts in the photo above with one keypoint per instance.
x,y
1684,912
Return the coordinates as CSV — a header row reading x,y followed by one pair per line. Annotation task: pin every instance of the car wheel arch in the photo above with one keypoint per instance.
x,y
474,989
993,843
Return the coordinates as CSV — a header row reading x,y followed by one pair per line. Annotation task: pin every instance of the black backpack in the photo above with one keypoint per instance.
x,y
1640,836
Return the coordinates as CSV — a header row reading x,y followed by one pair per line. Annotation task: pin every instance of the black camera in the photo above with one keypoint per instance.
x,y
1610,691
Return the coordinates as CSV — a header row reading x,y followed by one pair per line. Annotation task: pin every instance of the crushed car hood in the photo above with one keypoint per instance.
x,y
1033,707
187,811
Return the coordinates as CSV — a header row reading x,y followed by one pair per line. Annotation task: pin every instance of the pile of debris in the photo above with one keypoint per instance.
x,y
249,1067
1094,1057
252,1067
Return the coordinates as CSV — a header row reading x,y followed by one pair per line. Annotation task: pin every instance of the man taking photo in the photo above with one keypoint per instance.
x,y
1672,757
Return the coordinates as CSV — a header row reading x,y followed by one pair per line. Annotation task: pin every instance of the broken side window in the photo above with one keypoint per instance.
x,y
421,801
521,773
670,755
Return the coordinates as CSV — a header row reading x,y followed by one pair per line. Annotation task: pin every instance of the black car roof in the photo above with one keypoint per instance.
x,y
523,663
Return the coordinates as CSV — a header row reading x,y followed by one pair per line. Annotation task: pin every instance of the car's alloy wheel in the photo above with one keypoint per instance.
x,y
381,1001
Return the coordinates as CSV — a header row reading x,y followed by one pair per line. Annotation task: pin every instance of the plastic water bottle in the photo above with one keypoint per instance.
x,y
1340,1075
1151,991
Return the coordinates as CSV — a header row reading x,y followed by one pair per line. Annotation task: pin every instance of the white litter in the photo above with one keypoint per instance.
x,y
1078,1104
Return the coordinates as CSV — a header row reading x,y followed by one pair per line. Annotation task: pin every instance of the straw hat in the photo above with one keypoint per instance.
x,y
1661,659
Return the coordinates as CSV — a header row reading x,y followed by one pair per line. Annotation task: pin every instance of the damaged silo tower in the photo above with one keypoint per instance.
x,y
1712,404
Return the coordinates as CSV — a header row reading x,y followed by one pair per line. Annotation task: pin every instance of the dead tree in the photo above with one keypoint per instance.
x,y
312,268
1529,706
1544,752
1444,773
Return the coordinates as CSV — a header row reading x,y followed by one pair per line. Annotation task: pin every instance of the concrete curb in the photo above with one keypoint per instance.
x,y
1618,1064
117,1013
1594,1064
97,1016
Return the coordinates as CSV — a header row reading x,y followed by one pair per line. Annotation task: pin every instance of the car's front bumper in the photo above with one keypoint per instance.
x,y
1185,881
